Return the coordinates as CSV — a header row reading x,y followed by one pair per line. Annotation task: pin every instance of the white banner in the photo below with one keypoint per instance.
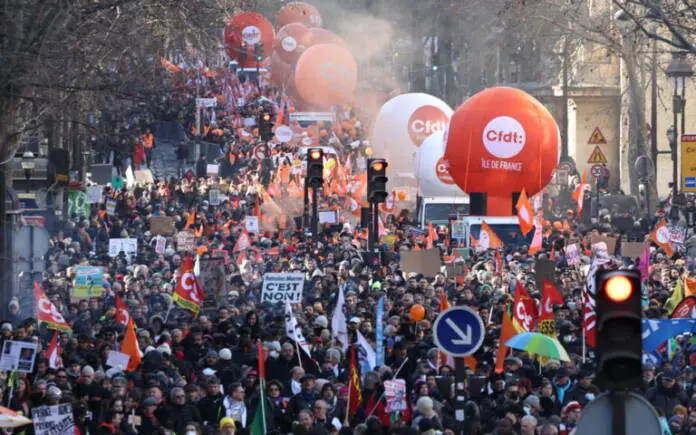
x,y
53,420
128,246
206,102
18,355
282,287
313,116
94,194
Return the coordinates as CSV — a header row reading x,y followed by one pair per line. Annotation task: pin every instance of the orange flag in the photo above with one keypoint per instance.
x,y
506,332
432,236
661,236
579,193
525,213
536,240
130,346
488,239
689,287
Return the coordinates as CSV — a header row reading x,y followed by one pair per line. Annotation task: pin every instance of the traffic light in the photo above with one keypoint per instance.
x,y
315,167
377,180
243,53
265,126
619,330
258,51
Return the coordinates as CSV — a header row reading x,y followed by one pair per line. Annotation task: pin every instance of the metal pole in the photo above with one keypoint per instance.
x,y
315,216
564,90
370,233
682,108
618,405
305,212
5,245
375,225
675,178
597,199
653,108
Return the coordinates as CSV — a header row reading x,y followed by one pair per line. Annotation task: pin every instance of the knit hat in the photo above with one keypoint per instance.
x,y
571,406
225,354
227,421
425,406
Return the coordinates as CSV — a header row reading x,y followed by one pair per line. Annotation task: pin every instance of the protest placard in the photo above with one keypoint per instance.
x,y
162,225
282,287
426,262
251,223
212,276
185,241
117,359
88,282
572,255
53,420
127,246
214,196
458,230
18,356
328,217
94,194
395,393
610,243
111,206
632,249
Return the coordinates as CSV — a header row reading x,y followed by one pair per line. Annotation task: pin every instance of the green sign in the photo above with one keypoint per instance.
x,y
77,203
117,182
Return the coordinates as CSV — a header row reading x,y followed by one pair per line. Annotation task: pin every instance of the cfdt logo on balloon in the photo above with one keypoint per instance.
x,y
442,171
504,137
251,35
289,43
425,121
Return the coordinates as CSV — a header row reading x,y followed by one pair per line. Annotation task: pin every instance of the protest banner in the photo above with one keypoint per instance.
x,y
251,223
282,287
632,249
185,241
127,246
162,225
610,243
677,234
572,255
328,217
395,393
212,276
111,207
117,359
94,194
426,262
18,356
53,420
88,282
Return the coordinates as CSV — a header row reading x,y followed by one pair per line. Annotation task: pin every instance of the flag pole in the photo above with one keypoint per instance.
x,y
584,332
262,377
346,422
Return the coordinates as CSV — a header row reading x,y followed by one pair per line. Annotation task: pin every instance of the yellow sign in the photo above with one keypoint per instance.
x,y
597,138
688,163
597,156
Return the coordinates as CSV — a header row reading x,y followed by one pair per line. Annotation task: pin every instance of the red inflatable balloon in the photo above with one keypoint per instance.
x,y
326,75
298,12
501,140
289,42
322,36
246,29
280,71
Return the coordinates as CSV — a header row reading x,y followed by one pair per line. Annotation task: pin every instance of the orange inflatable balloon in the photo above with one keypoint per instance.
x,y
246,29
500,141
417,313
289,42
326,75
298,12
322,36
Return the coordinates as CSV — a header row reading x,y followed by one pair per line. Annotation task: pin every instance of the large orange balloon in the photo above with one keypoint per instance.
x,y
501,140
246,29
322,36
417,312
289,42
298,12
326,75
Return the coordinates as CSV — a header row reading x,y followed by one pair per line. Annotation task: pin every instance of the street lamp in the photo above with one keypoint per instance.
x,y
28,165
678,70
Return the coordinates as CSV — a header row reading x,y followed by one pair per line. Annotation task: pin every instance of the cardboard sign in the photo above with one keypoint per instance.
x,y
212,169
328,217
426,262
458,230
251,223
53,420
212,277
160,244
185,241
88,282
282,288
18,356
162,225
609,241
453,270
214,197
221,253
128,246
544,270
677,235
632,249
94,194
143,177
395,393
111,207
118,359
572,254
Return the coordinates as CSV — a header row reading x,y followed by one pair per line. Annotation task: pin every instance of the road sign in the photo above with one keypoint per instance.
x,y
640,415
260,152
459,331
688,163
597,171
597,138
597,156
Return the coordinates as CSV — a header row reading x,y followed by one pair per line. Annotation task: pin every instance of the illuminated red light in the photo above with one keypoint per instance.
x,y
618,288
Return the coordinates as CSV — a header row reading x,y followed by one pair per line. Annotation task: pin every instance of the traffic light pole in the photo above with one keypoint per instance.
x,y
618,415
305,208
375,226
315,216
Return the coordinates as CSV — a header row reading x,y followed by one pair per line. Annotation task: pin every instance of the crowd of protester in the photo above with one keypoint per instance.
x,y
199,373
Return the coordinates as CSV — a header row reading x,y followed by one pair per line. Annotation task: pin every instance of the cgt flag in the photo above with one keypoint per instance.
x,y
189,293
121,314
47,313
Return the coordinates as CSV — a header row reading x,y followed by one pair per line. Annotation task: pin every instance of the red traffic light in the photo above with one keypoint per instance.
x,y
315,154
266,117
377,166
618,288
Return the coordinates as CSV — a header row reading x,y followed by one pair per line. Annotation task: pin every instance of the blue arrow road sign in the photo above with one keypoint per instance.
x,y
459,331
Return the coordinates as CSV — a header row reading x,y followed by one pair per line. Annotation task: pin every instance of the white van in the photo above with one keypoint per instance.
x,y
507,228
440,209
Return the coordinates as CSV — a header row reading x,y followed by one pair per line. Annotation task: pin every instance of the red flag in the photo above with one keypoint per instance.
x,y
243,242
130,347
261,355
54,353
432,236
498,262
549,298
188,293
354,389
121,315
47,312
589,319
524,312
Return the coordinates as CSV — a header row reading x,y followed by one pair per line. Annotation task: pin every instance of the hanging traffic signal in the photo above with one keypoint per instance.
x,y
619,329
258,51
265,126
315,167
377,180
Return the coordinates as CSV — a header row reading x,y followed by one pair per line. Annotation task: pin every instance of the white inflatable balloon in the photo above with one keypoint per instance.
x,y
431,171
401,126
